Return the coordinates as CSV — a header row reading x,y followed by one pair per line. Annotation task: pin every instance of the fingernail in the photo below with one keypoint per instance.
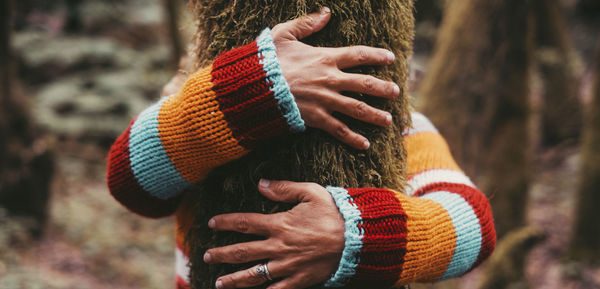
x,y
264,183
207,258
366,144
325,10
219,284
388,120
212,223
396,90
390,56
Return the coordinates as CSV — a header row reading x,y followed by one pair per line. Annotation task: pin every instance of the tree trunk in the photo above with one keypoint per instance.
x,y
506,268
476,92
561,111
585,241
172,9
313,156
25,163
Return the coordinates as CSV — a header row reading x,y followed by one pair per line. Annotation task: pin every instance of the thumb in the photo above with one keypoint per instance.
x,y
286,191
304,26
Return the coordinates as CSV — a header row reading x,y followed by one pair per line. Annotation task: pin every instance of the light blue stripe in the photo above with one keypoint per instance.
x,y
278,84
353,235
467,229
150,163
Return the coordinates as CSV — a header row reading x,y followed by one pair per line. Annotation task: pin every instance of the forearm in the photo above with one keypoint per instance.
x,y
442,229
221,113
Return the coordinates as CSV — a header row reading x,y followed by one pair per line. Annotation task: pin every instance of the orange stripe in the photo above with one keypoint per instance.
x,y
427,151
192,128
431,240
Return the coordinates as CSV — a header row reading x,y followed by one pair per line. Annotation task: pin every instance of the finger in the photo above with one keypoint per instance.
x,y
241,253
304,26
367,84
250,278
361,111
289,192
339,130
359,55
297,281
247,223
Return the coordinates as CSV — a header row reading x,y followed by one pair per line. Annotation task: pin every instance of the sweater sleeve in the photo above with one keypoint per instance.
x,y
221,113
441,229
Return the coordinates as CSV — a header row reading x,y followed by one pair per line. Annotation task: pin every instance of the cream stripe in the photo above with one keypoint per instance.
x,y
181,265
420,123
429,177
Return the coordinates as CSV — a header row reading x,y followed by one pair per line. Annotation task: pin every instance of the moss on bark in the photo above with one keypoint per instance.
x,y
313,156
476,93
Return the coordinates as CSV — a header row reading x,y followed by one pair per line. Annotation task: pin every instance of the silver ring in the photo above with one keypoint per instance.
x,y
263,271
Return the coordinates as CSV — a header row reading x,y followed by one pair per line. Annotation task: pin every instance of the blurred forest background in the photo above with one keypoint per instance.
x,y
514,85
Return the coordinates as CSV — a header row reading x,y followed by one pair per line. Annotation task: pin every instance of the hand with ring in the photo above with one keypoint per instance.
x,y
304,245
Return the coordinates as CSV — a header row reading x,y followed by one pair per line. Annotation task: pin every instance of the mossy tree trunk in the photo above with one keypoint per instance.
x,y
561,110
476,92
25,163
585,241
313,156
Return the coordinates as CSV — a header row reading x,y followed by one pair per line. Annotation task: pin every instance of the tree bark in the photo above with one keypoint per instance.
x,y
561,115
25,162
476,92
585,240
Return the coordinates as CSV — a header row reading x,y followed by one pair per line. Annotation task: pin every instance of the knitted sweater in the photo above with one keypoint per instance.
x,y
442,229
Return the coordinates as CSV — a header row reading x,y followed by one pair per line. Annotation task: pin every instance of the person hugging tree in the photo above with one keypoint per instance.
x,y
289,162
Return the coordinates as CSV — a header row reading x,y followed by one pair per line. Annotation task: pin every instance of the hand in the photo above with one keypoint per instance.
x,y
304,245
316,80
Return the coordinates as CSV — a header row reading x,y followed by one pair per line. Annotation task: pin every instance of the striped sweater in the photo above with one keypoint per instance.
x,y
442,229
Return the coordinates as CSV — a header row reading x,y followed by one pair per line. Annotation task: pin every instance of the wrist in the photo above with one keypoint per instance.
x,y
252,93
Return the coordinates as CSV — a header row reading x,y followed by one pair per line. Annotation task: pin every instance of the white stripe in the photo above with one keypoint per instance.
x,y
181,265
429,177
420,123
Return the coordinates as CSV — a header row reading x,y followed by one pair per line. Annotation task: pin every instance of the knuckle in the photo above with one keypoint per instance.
x,y
326,59
368,83
332,80
361,54
241,224
253,276
360,109
307,21
240,254
341,131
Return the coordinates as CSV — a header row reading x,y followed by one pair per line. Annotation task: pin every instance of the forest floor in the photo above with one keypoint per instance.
x,y
85,87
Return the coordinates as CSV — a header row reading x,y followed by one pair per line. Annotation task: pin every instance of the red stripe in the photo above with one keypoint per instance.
x,y
124,187
244,96
481,206
384,239
181,284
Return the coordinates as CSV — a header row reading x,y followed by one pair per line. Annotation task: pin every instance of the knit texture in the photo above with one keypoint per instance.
x,y
221,113
440,230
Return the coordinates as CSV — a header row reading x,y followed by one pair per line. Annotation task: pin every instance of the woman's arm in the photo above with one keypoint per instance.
x,y
441,230
240,100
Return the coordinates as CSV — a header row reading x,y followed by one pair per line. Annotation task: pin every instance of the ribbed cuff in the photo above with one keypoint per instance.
x,y
252,93
278,84
350,255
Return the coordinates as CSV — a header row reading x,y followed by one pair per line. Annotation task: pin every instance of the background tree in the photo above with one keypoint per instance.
x,y
476,92
25,162
561,111
585,240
